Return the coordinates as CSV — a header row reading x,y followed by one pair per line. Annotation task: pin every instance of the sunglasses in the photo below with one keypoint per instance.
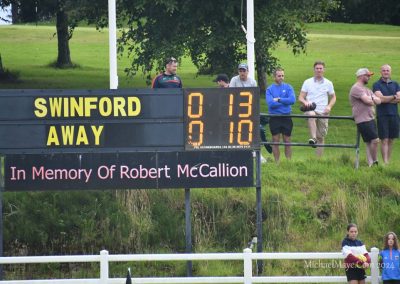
x,y
171,60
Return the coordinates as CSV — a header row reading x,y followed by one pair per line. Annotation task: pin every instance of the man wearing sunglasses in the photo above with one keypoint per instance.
x,y
168,79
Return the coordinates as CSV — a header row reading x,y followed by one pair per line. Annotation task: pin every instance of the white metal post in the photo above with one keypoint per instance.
x,y
112,43
374,266
247,266
250,38
104,267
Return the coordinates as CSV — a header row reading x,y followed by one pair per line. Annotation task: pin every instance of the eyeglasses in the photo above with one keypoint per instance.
x,y
171,60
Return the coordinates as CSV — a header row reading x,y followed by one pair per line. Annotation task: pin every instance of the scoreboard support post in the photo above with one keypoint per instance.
x,y
259,211
188,230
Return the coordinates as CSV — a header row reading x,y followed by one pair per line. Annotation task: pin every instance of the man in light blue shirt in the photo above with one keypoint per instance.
x,y
280,98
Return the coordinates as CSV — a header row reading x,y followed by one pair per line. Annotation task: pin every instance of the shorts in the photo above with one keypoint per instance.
x,y
282,125
355,274
391,281
388,126
367,130
322,124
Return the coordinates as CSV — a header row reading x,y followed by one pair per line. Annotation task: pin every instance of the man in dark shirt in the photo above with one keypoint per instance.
x,y
168,79
387,112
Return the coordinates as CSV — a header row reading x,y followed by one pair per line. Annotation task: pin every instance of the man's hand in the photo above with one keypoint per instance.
x,y
327,110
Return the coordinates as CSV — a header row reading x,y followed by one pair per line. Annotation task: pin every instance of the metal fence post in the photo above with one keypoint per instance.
x,y
247,266
374,266
104,267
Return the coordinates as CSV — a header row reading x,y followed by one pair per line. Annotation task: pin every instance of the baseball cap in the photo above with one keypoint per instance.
x,y
364,71
222,77
243,66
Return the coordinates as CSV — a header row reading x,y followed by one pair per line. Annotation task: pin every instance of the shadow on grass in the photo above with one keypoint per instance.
x,y
55,65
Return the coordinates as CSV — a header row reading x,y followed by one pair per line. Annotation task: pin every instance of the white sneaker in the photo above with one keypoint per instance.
x,y
263,160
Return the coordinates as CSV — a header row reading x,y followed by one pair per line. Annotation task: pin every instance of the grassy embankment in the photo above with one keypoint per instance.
x,y
307,202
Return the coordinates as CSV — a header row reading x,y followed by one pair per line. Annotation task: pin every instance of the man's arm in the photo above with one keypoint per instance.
x,y
271,101
155,84
332,102
370,100
303,100
386,99
291,98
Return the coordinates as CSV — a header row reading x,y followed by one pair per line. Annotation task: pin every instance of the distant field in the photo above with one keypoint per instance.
x,y
345,48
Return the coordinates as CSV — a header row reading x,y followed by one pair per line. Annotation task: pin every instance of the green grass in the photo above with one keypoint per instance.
x,y
307,201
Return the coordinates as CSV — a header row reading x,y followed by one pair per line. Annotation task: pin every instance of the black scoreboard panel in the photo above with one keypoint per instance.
x,y
60,121
128,120
139,170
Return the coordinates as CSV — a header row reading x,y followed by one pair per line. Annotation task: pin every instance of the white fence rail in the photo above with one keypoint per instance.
x,y
247,257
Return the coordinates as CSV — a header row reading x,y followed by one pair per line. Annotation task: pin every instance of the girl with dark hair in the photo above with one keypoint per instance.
x,y
390,260
356,256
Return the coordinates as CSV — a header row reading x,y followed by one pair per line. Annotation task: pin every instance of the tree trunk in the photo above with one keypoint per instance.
x,y
261,78
64,58
261,73
14,13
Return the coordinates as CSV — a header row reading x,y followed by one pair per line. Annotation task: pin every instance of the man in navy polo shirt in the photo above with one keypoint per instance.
x,y
387,112
168,79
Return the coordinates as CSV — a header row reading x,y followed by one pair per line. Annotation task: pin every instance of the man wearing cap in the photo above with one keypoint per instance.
x,y
318,90
243,79
222,80
280,96
387,112
362,102
168,79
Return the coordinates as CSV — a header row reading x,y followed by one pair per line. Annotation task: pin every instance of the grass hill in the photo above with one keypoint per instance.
x,y
307,202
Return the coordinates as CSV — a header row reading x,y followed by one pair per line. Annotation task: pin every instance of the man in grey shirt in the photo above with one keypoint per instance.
x,y
243,79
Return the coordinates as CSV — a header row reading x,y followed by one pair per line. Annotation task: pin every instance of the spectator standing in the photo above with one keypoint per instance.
x,y
356,256
168,78
362,102
222,80
243,79
318,90
387,112
390,260
280,96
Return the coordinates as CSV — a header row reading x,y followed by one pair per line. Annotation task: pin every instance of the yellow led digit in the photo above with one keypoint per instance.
x,y
201,130
199,97
230,104
250,136
247,104
231,126
193,100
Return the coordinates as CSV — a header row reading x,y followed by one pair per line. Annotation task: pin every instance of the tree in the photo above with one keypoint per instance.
x,y
210,32
67,14
359,11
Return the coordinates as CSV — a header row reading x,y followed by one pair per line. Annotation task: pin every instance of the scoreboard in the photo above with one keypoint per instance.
x,y
186,136
34,121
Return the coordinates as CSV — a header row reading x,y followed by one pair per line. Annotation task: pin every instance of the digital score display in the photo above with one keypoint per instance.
x,y
128,120
221,119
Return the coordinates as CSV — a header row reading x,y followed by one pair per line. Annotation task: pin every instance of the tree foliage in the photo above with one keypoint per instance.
x,y
210,32
367,11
